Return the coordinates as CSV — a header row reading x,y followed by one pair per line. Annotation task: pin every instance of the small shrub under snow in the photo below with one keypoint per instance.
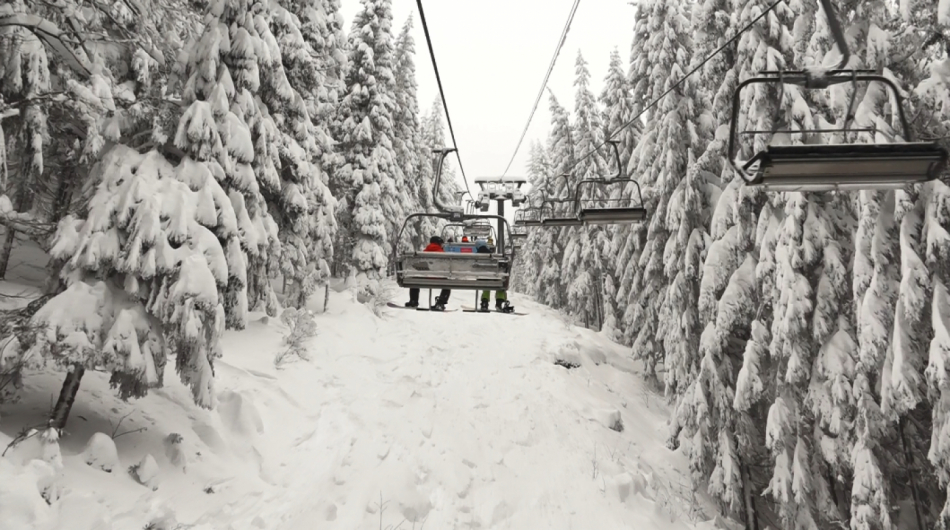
x,y
145,472
175,452
301,327
100,452
566,364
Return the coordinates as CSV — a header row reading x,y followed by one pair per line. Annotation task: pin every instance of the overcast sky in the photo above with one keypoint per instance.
x,y
493,55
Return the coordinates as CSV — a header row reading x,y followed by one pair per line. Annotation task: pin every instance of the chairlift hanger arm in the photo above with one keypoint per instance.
x,y
577,198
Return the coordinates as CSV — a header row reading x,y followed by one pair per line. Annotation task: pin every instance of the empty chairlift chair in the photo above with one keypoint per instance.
x,y
519,232
528,217
559,213
812,166
595,206
616,200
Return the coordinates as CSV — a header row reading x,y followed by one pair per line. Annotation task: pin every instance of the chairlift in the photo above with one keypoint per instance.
x,y
453,270
557,213
827,167
560,212
528,217
594,211
519,232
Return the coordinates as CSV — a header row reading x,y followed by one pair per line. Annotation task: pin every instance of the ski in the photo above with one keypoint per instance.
x,y
468,309
396,306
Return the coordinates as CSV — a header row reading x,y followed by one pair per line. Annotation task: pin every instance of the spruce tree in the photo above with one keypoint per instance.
x,y
410,155
304,208
367,180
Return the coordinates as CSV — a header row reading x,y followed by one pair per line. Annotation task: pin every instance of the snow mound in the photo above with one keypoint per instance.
x,y
146,472
100,452
22,503
239,414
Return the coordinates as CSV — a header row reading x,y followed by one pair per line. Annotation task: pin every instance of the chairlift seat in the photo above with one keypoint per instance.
x,y
562,221
595,216
453,270
462,247
847,166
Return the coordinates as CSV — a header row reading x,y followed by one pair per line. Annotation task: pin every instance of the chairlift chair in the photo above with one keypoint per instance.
x,y
452,270
528,217
827,167
556,220
593,211
519,232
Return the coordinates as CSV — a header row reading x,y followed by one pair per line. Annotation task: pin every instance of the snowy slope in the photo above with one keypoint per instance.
x,y
452,420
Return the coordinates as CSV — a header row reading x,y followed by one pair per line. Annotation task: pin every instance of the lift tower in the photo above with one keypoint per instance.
x,y
500,189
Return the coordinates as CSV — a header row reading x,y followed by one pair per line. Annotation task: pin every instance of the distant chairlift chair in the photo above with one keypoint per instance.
x,y
560,213
594,210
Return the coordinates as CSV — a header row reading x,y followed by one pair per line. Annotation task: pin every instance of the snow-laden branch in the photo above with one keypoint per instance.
x,y
50,35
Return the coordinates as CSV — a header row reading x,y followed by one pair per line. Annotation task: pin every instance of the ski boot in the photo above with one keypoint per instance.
x,y
412,304
484,306
505,307
439,305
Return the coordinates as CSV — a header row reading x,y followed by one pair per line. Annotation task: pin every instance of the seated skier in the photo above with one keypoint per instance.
x,y
435,245
501,296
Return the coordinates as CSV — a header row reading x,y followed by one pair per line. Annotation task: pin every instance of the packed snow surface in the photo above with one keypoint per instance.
x,y
408,420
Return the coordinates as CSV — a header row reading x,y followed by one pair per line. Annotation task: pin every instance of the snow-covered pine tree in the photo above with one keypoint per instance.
x,y
367,181
304,208
583,259
618,109
226,127
629,240
25,74
410,155
552,283
920,317
148,262
666,153
727,293
532,255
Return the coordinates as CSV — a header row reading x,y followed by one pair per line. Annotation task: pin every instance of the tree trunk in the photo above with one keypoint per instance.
x,y
909,456
7,250
21,201
326,296
67,395
751,521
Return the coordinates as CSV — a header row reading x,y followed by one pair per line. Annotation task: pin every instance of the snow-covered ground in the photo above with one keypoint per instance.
x,y
410,420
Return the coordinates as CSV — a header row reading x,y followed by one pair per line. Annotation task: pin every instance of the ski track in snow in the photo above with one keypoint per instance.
x,y
450,420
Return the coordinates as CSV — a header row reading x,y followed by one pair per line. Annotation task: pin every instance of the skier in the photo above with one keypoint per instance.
x,y
501,296
435,245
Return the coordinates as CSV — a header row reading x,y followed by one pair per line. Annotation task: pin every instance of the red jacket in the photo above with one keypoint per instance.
x,y
433,247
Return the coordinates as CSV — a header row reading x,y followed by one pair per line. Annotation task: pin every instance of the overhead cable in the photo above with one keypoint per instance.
x,y
675,85
438,79
557,51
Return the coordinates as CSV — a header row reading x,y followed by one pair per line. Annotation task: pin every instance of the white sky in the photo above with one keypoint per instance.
x,y
492,57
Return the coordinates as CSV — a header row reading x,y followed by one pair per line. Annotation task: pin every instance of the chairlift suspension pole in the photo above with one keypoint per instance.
x,y
501,233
